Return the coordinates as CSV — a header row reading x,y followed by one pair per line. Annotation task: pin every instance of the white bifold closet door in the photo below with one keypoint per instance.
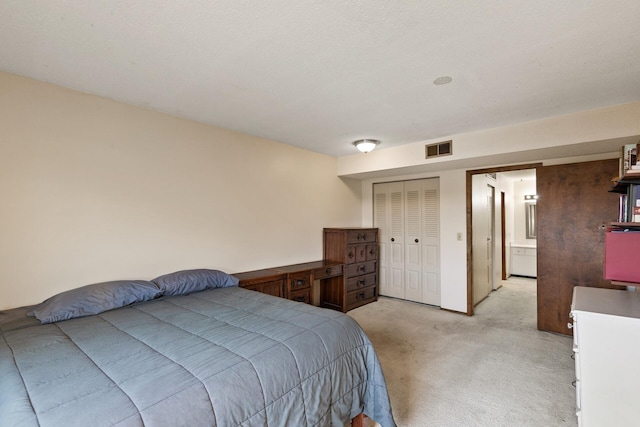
x,y
407,215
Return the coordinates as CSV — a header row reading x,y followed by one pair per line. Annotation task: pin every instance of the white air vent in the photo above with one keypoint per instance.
x,y
444,148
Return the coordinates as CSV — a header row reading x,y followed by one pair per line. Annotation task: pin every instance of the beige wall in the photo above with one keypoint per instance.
x,y
94,190
521,188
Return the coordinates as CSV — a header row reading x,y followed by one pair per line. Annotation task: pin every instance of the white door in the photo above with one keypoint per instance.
x,y
407,215
413,234
431,242
388,218
491,191
482,219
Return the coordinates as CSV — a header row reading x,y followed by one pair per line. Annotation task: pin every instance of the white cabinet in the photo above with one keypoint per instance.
x,y
606,343
524,260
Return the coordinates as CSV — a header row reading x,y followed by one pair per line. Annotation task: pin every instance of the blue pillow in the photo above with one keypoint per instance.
x,y
187,281
94,299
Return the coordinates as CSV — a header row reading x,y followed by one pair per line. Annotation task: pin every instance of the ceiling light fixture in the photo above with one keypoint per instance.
x,y
366,145
442,80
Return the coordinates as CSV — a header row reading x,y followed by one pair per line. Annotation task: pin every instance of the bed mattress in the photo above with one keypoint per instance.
x,y
220,357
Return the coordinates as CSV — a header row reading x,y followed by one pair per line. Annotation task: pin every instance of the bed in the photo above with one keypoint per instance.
x,y
205,354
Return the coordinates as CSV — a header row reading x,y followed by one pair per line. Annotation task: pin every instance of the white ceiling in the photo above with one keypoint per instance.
x,y
320,74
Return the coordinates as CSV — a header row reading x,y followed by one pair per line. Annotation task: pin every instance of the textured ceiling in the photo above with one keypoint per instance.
x,y
320,74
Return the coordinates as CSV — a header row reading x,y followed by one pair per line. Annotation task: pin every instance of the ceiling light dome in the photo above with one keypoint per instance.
x,y
366,145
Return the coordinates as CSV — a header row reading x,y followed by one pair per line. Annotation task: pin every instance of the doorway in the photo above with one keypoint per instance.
x,y
482,246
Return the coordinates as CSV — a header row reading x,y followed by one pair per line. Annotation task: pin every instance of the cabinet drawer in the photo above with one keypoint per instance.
x,y
365,252
360,297
323,273
361,236
359,282
515,250
303,295
350,256
361,253
360,268
300,280
271,287
372,252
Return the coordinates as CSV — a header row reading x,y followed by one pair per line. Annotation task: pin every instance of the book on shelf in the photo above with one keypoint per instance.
x,y
636,214
633,203
622,208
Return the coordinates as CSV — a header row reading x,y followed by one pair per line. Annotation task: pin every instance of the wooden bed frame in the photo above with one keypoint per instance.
x,y
360,421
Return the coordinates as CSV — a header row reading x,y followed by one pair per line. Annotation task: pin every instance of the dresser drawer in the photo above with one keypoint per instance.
x,y
372,251
362,236
271,287
300,280
360,297
360,268
303,295
361,253
330,271
358,282
350,256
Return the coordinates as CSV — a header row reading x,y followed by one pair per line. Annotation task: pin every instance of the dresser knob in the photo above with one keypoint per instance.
x,y
416,240
393,240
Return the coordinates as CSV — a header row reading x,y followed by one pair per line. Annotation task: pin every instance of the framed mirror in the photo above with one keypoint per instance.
x,y
530,218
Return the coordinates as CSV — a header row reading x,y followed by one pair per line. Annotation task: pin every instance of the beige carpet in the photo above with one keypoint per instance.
x,y
492,369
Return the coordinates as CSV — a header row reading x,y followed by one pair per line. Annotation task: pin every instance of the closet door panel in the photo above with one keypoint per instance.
x,y
381,220
431,241
396,239
396,283
407,216
413,285
413,234
389,213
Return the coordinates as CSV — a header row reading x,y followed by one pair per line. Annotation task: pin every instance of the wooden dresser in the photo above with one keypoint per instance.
x,y
294,282
357,248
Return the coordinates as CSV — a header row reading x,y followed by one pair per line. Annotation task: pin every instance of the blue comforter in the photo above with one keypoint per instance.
x,y
220,357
